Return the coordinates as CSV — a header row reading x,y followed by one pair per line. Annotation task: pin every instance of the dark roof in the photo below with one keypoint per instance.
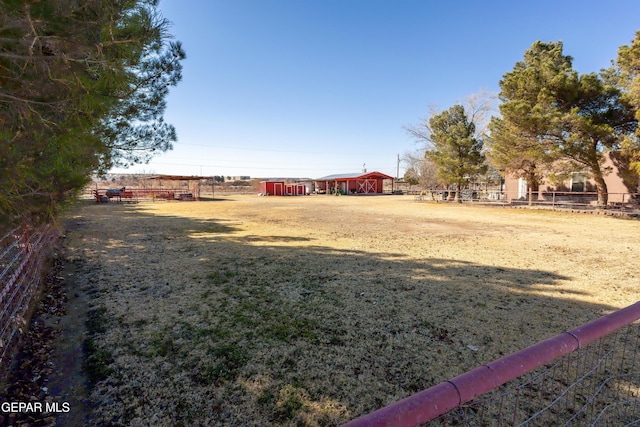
x,y
362,175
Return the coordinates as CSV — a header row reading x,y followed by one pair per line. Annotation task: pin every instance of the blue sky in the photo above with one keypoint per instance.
x,y
307,88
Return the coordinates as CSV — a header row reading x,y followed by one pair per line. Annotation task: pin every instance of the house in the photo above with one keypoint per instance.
x,y
352,183
282,188
578,187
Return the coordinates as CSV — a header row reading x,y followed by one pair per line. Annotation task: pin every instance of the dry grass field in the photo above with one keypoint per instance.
x,y
314,310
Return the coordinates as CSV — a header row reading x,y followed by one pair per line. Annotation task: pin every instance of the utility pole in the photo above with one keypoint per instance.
x,y
397,174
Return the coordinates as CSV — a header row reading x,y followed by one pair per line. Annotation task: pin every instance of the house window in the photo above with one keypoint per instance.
x,y
578,182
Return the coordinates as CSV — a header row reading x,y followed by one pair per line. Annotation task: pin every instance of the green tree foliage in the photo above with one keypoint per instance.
x,y
597,121
456,149
518,139
629,64
82,87
552,117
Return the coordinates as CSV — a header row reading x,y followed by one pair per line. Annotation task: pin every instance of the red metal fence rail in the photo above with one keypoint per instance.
x,y
22,255
587,376
104,195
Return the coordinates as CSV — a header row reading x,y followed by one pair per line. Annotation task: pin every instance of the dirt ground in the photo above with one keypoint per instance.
x,y
314,310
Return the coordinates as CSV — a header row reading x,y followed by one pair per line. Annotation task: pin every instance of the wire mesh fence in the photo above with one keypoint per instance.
x,y
589,376
596,385
23,252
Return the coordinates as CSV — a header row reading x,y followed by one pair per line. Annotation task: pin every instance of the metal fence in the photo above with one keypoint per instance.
x,y
589,376
23,252
105,195
551,199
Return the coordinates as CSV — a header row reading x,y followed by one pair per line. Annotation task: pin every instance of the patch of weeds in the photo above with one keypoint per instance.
x,y
331,335
229,359
216,333
267,398
162,346
440,334
247,314
289,364
195,308
187,330
220,277
216,278
336,340
290,401
232,355
96,321
284,328
140,323
97,361
284,405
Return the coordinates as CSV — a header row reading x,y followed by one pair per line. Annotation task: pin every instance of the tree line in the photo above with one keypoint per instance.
x,y
83,87
551,121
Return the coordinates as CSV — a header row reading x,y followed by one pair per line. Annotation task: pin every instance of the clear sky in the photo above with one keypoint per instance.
x,y
308,88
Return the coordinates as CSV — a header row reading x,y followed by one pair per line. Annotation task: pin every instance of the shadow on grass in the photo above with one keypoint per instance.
x,y
308,324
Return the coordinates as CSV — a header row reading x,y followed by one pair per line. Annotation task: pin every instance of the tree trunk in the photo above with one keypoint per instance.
x,y
601,187
531,186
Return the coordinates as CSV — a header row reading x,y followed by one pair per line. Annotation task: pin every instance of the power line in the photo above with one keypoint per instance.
x,y
245,167
273,150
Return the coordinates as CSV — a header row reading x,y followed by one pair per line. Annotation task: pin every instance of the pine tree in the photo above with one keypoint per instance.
x,y
456,150
629,64
551,116
518,140
82,87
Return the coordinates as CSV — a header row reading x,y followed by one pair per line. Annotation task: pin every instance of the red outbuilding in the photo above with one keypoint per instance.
x,y
282,188
352,183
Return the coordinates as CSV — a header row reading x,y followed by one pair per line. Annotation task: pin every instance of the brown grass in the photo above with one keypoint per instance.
x,y
314,310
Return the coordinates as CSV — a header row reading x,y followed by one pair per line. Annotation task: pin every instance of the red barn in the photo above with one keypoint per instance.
x,y
282,188
353,183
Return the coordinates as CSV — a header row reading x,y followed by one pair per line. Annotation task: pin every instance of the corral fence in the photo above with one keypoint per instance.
x,y
589,376
105,195
551,199
23,252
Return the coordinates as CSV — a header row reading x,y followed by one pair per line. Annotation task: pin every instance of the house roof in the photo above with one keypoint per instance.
x,y
361,175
